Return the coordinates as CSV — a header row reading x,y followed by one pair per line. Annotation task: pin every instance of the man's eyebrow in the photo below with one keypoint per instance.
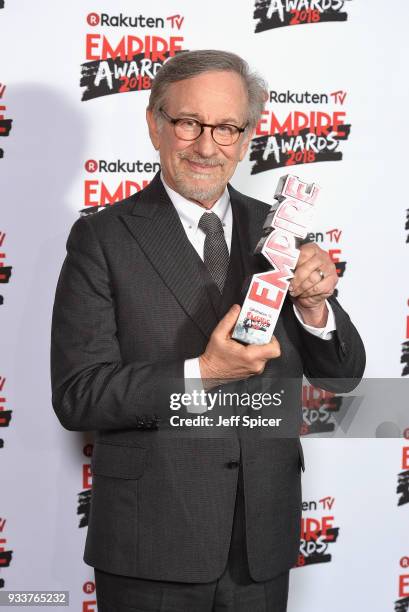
x,y
186,113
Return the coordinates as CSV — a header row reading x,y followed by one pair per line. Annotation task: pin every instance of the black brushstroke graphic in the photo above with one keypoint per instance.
x,y
84,502
264,23
1,4
402,605
92,210
407,225
327,408
340,267
405,358
5,417
324,557
5,273
258,146
89,71
5,558
5,127
403,488
1,443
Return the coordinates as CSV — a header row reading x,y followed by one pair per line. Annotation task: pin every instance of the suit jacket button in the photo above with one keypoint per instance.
x,y
233,464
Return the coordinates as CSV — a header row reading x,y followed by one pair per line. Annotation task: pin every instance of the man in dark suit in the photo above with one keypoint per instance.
x,y
185,518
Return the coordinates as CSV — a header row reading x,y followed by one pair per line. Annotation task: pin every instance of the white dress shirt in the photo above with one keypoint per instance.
x,y
190,214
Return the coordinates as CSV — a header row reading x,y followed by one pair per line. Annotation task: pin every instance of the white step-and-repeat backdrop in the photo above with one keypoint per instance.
x,y
74,83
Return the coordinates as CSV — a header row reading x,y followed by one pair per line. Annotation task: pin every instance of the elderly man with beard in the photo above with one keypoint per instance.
x,y
146,302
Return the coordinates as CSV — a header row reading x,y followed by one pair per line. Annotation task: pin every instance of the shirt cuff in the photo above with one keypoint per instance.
x,y
325,333
193,382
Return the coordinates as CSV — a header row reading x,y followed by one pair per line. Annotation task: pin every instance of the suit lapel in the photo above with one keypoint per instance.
x,y
155,225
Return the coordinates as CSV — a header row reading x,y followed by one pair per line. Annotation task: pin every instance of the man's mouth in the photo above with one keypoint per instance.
x,y
202,168
205,167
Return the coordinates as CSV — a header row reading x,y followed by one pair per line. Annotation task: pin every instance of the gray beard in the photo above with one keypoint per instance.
x,y
196,192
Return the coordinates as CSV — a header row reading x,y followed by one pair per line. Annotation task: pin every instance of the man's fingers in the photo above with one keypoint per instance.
x,y
225,326
313,284
308,277
307,251
304,270
274,348
271,350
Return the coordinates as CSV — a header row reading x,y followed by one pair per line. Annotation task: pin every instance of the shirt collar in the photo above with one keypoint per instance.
x,y
190,213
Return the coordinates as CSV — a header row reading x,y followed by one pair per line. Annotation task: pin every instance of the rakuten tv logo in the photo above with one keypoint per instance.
x,y
89,605
119,64
317,532
271,14
5,124
84,497
104,187
134,21
293,137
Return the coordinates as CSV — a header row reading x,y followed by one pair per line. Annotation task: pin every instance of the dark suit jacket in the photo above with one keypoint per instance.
x,y
130,307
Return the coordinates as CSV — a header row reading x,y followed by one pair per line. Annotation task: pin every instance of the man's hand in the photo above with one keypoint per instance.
x,y
225,360
315,278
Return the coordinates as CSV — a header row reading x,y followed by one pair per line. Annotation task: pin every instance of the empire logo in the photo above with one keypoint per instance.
x,y
403,478
324,412
84,497
99,192
317,532
5,271
126,63
5,415
319,408
299,137
5,555
405,349
402,604
271,14
5,124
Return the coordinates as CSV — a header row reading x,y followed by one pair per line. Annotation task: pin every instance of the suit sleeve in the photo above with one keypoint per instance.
x,y
337,364
92,388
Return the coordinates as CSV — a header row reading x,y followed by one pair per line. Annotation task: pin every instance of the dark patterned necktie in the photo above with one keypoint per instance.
x,y
216,253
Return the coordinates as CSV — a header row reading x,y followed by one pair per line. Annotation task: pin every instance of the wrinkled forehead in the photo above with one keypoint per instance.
x,y
212,96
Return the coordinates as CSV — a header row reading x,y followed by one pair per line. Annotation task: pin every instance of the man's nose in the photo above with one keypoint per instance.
x,y
205,145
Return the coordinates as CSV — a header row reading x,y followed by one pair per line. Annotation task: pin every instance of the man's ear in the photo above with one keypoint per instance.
x,y
153,128
245,143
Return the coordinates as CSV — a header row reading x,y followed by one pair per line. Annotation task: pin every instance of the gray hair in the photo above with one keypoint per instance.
x,y
188,64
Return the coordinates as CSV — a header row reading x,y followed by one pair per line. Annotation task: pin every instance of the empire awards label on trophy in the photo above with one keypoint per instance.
x,y
285,226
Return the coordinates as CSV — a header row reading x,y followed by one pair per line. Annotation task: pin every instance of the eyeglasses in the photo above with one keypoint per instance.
x,y
189,129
